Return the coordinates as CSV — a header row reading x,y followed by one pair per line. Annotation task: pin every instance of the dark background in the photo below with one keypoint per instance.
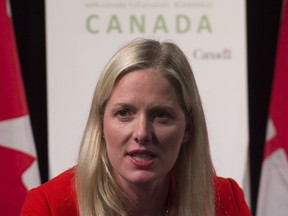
x,y
262,33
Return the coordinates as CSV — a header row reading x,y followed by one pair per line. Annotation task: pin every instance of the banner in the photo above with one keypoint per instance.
x,y
82,35
18,163
273,190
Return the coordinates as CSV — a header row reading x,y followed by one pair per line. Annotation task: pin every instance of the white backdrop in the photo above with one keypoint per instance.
x,y
83,34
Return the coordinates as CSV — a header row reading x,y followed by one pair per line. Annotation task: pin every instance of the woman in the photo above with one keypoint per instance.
x,y
145,149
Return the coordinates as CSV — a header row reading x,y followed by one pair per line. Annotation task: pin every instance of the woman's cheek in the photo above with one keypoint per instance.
x,y
170,134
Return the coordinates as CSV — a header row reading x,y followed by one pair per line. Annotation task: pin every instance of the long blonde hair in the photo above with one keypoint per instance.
x,y
97,192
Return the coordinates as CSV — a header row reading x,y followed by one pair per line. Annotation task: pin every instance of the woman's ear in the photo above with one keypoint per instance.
x,y
188,132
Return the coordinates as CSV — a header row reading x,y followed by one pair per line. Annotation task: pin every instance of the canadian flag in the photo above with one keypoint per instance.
x,y
18,165
273,191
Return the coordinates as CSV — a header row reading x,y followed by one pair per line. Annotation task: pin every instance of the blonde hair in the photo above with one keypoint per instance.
x,y
97,192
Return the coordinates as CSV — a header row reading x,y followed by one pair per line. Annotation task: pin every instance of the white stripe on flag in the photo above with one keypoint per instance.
x,y
17,134
274,185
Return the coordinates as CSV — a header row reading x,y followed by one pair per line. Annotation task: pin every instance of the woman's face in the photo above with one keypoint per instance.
x,y
144,127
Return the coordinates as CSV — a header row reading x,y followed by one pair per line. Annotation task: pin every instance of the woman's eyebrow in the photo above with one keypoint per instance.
x,y
122,105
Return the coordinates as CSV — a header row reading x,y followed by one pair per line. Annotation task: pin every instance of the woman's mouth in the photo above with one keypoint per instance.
x,y
142,158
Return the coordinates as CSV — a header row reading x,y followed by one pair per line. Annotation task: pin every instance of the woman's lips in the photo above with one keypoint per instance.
x,y
142,158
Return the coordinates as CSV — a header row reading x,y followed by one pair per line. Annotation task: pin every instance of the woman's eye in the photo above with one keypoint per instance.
x,y
162,115
122,113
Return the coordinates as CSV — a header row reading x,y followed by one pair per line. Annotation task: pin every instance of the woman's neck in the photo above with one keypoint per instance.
x,y
147,199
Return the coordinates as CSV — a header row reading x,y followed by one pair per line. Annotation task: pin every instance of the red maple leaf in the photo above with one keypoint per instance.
x,y
13,164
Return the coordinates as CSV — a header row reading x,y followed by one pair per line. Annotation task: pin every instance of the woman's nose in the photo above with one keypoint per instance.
x,y
142,130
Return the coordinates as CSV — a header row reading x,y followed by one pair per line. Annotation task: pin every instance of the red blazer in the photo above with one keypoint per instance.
x,y
58,198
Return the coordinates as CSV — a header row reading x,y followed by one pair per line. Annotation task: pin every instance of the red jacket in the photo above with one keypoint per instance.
x,y
58,198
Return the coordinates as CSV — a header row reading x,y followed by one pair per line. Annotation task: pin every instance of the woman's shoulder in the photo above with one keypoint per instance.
x,y
55,197
229,198
63,181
